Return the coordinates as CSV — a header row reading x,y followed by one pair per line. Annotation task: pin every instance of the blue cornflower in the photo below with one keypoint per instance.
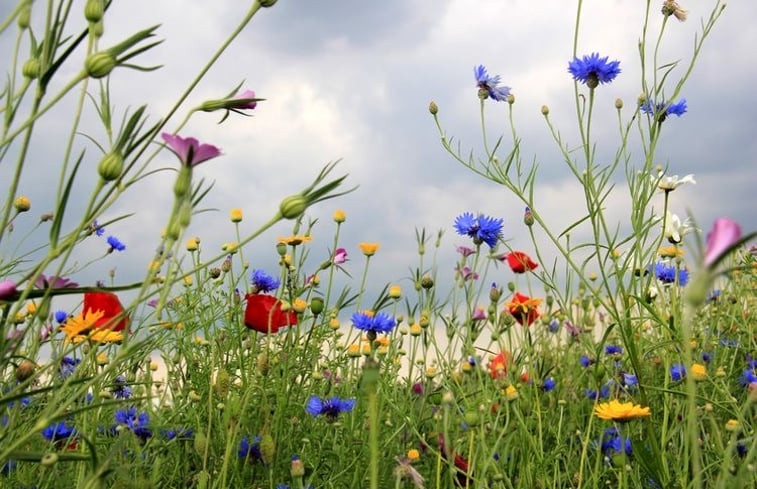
x,y
120,390
377,323
613,350
677,371
68,365
554,326
8,467
613,442
59,432
134,421
667,274
490,84
658,110
592,70
549,384
747,377
178,433
250,451
115,244
706,357
713,295
586,361
604,393
262,282
630,380
483,229
331,408
61,316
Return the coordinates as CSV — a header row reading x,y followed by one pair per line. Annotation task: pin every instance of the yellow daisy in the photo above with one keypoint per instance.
x,y
79,325
294,240
369,249
620,411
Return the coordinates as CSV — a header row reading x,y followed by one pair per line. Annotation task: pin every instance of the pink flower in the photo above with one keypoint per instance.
x,y
244,95
723,235
54,282
340,256
189,150
467,273
479,314
465,251
7,289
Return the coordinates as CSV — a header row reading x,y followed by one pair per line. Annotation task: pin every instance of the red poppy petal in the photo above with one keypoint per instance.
x,y
263,314
108,303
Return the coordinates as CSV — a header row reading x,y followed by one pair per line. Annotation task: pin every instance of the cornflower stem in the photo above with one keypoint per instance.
x,y
483,129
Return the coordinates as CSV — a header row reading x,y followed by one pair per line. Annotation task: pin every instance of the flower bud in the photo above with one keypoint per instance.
x,y
98,28
293,206
193,244
339,216
510,98
298,468
427,282
483,93
235,215
99,65
618,103
433,108
49,459
25,370
494,294
111,166
22,203
395,291
267,448
31,68
511,286
93,10
528,217
316,305
200,443
24,16
267,3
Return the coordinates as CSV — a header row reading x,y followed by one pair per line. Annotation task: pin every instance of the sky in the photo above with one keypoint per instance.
x,y
352,80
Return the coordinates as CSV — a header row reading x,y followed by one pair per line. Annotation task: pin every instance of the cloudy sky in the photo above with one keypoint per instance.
x,y
352,80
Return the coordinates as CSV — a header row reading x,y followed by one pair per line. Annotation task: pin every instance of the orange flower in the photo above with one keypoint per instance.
x,y
524,309
369,249
498,364
620,411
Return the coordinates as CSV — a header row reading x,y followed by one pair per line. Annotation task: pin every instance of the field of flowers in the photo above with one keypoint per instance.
x,y
629,361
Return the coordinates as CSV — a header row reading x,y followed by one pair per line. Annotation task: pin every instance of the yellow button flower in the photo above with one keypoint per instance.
x,y
235,215
369,249
339,216
620,411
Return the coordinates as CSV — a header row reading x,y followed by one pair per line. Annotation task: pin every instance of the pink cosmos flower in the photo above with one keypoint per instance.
x,y
723,235
189,150
7,289
340,256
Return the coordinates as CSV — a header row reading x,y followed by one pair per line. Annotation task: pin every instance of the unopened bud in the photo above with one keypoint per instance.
x,y
427,282
267,3
316,305
31,68
618,103
293,206
22,203
99,65
93,10
510,98
24,16
433,108
111,166
544,110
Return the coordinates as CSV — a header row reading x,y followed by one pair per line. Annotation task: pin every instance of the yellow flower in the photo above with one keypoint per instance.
x,y
353,350
511,393
102,358
31,308
413,455
698,371
299,305
295,240
415,329
430,372
193,244
366,349
732,425
22,203
670,251
334,324
105,336
339,216
77,326
187,280
235,215
368,249
230,247
620,411
395,291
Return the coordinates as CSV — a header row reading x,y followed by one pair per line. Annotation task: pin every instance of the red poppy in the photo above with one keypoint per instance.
x,y
264,314
114,318
520,262
498,364
524,309
461,463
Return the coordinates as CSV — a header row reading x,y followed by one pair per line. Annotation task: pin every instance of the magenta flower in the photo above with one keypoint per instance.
x,y
54,282
465,251
246,105
723,235
189,150
7,289
340,256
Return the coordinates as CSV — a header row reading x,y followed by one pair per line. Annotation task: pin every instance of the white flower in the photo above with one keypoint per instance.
x,y
668,184
675,229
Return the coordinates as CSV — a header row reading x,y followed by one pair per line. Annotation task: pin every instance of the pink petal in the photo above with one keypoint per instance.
x,y
725,232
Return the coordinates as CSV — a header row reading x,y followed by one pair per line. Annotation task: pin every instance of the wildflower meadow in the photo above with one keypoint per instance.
x,y
605,353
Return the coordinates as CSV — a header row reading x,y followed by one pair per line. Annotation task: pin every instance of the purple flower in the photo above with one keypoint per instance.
x,y
68,365
747,377
586,361
490,84
592,70
667,274
120,390
340,256
677,372
549,384
54,282
189,150
135,421
613,442
467,273
331,408
465,251
724,234
115,244
7,289
630,380
178,433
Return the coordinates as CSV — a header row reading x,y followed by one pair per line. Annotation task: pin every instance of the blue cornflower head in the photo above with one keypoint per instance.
x,y
120,390
97,229
377,323
713,295
68,365
549,384
331,408
660,112
667,274
134,421
592,70
59,432
61,316
613,350
677,371
490,83
8,467
630,380
178,433
586,361
591,393
751,362
483,229
747,377
115,244
262,282
706,357
613,442
250,451
554,326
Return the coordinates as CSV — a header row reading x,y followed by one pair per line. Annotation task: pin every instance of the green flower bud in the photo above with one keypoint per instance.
x,y
183,182
215,272
24,16
223,382
544,110
200,443
511,286
298,468
427,282
93,10
267,448
98,28
293,206
472,418
49,459
316,305
31,68
433,108
99,65
111,166
510,99
267,3
618,103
